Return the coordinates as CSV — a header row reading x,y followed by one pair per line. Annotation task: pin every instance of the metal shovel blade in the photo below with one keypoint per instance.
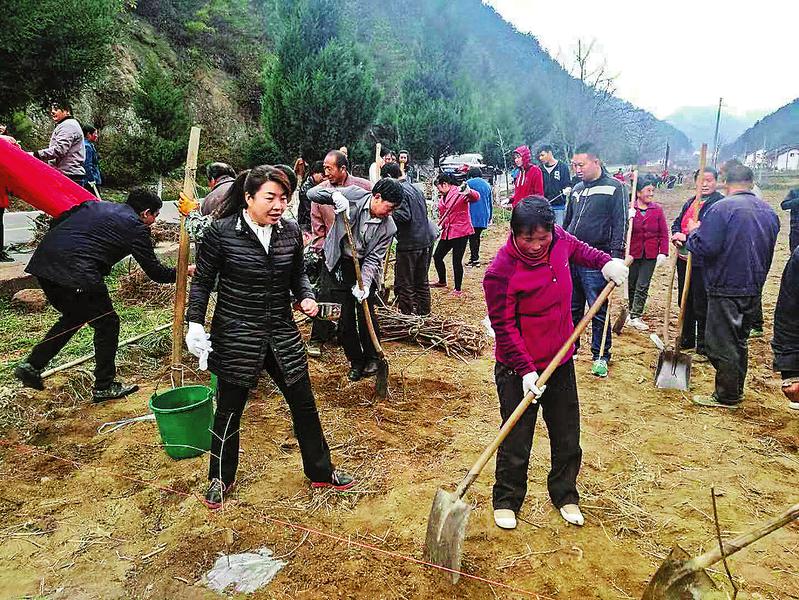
x,y
446,530
673,371
621,320
673,582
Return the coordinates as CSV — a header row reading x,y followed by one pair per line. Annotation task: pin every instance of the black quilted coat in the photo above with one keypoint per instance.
x,y
253,308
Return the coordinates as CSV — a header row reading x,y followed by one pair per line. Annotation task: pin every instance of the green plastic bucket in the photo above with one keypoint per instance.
x,y
184,416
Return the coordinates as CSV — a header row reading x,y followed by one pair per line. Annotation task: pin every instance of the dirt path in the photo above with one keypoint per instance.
x,y
80,529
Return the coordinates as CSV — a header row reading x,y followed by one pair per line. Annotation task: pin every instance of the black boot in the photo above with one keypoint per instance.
x,y
29,375
113,391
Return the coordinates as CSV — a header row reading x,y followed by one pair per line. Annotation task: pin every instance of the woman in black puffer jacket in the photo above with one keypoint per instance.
x,y
257,256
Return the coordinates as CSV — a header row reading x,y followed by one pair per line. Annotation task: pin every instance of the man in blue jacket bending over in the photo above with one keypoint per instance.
x,y
735,241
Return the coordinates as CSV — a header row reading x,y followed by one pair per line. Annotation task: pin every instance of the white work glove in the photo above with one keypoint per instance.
x,y
360,294
661,260
631,213
199,344
615,270
528,385
566,191
340,201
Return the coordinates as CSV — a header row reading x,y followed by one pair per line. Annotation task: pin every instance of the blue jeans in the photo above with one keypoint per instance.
x,y
588,283
560,214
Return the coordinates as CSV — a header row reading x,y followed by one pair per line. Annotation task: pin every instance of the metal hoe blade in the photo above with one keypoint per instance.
x,y
673,371
672,582
446,530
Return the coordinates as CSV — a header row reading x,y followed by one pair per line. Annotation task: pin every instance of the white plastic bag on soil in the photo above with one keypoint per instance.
x,y
248,572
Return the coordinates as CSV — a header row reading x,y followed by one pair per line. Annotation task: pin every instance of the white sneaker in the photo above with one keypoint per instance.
x,y
505,518
639,324
571,514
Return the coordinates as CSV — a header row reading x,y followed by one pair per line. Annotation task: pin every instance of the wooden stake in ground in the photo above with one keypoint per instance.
x,y
183,251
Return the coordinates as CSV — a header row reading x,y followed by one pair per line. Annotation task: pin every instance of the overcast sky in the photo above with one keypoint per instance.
x,y
679,52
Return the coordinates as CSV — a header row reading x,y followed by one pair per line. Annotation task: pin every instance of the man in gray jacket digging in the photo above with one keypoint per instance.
x,y
372,229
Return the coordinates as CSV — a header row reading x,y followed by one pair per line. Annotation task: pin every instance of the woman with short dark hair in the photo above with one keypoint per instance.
x,y
256,255
528,290
649,247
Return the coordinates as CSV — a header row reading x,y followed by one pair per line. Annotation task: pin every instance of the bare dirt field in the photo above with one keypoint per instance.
x,y
85,515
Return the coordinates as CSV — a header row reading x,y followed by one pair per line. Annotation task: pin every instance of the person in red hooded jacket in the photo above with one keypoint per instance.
x,y
530,180
528,290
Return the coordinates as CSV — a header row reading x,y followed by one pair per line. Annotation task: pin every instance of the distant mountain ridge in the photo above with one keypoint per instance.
x,y
699,123
780,128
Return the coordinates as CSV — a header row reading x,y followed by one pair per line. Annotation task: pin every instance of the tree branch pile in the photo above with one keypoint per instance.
x,y
455,338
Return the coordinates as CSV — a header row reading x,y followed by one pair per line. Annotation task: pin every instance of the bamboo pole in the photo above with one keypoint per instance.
x,y
88,357
183,251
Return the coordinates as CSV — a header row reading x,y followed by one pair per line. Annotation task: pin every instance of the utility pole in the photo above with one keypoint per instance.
x,y
716,136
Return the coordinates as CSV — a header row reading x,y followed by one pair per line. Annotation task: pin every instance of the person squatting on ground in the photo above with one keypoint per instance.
x,y
66,151
791,203
455,224
596,214
785,343
480,212
323,216
91,164
416,234
71,262
372,230
529,181
528,291
735,243
694,322
649,247
557,182
256,255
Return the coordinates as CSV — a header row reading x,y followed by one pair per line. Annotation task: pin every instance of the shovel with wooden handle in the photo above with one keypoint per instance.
x,y
673,371
446,525
682,577
624,313
381,378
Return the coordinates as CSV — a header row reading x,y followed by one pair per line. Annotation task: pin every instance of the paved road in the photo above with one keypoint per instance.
x,y
19,228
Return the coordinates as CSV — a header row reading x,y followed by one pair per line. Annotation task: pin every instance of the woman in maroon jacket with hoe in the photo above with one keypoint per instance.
x,y
528,290
649,247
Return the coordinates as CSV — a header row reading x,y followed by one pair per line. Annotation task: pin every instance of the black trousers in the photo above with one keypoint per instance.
x,y
2,230
640,278
793,237
78,307
230,403
757,322
562,417
729,322
411,283
474,244
458,247
695,323
354,333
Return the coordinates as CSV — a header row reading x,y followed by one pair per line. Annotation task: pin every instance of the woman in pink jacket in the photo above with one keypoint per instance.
x,y
528,290
455,224
649,247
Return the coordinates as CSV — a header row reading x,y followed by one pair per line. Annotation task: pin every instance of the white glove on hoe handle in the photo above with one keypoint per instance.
x,y
615,271
340,201
199,344
360,294
528,385
661,260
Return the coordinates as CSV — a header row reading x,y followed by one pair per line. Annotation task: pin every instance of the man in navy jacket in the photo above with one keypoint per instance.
x,y
735,242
